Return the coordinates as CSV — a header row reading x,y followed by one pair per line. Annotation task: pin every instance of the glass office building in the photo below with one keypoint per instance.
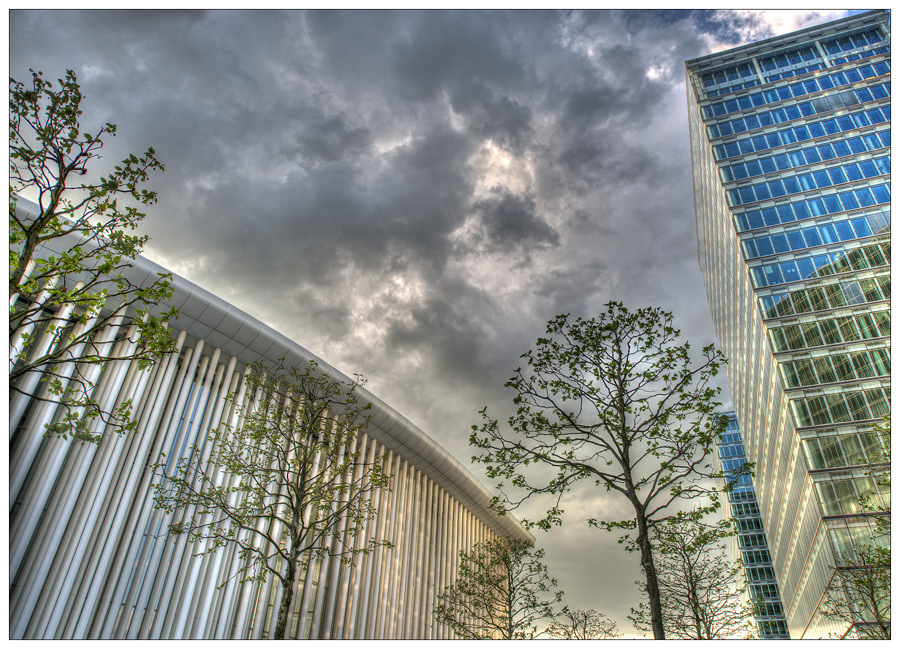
x,y
790,145
750,540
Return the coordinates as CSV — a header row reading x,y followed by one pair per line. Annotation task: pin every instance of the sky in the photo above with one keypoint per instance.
x,y
412,195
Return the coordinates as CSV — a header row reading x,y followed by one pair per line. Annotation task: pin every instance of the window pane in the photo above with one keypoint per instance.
x,y
805,372
829,332
831,451
838,408
867,326
794,337
817,411
824,370
811,333
863,365
858,409
843,367
879,404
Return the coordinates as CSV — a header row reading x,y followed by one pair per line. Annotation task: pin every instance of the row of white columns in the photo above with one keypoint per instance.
x,y
90,557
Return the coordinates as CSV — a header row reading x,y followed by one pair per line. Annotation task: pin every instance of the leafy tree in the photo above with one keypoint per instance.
x,y
292,482
68,259
702,592
582,625
860,592
617,401
501,592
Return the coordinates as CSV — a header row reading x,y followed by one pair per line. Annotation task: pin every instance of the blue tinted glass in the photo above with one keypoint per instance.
x,y
865,197
853,172
883,164
812,155
746,194
768,165
780,243
795,239
762,192
731,106
739,172
878,91
864,94
779,115
784,93
811,86
789,270
827,152
792,112
829,234
754,168
752,121
832,204
797,90
750,250
797,159
856,145
817,207
882,193
816,130
885,137
801,209
755,219
837,175
759,143
849,200
759,277
862,227
860,119
738,126
776,188
845,123
782,162
821,260
830,126
822,179
770,216
745,103
746,145
758,99
812,237
791,185
771,96
839,79
787,136
868,168
725,129
765,119
853,75
773,140
807,182
806,109
718,109
845,232
764,246
731,149
825,83
773,274
805,267
785,213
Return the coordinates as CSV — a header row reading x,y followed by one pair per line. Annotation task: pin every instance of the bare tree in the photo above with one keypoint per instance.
x,y
67,260
860,593
292,482
501,592
583,625
617,401
702,591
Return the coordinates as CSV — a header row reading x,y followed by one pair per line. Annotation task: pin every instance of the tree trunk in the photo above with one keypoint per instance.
x,y
287,594
643,540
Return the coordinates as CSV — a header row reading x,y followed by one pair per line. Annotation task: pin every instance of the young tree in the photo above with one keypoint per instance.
x,y
701,590
860,593
501,592
860,590
292,482
582,625
68,259
615,400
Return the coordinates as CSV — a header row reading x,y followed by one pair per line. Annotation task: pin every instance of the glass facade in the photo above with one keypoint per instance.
x,y
790,145
750,542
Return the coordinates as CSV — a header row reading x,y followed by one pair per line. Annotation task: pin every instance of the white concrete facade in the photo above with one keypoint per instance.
x,y
91,558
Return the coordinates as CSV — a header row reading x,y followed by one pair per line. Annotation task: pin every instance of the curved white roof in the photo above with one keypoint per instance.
x,y
222,325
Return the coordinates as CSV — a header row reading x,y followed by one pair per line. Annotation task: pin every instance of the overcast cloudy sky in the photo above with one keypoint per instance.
x,y
411,196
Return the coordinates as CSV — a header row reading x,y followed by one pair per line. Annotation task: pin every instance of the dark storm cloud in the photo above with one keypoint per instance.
x,y
410,195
